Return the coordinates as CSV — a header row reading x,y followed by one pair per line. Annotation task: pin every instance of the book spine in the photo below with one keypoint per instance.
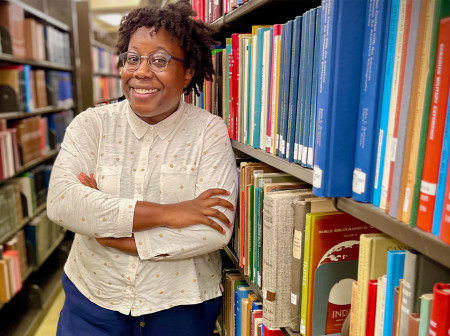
x,y
426,301
433,149
387,86
440,308
373,66
371,307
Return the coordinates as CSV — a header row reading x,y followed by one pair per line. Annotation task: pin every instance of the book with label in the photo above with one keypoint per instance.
x,y
440,317
342,28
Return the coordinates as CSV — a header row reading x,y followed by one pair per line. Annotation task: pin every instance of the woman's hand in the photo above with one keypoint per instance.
x,y
198,211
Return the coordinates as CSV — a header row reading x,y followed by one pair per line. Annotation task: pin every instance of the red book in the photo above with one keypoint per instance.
x,y
272,332
230,97
435,129
235,79
440,310
371,307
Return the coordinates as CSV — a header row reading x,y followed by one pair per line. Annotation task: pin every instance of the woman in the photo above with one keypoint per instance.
x,y
157,194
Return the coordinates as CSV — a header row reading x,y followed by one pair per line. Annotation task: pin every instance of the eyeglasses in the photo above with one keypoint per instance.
x,y
157,61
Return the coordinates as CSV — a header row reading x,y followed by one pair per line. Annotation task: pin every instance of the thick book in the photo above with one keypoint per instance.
x,y
394,272
369,110
240,293
414,321
440,316
435,130
301,208
442,176
278,235
332,268
342,25
420,275
12,17
426,301
372,264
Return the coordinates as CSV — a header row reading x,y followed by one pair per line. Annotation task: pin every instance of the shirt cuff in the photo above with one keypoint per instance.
x,y
125,217
143,245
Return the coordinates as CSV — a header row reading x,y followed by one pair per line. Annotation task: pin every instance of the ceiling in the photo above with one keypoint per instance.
x,y
106,16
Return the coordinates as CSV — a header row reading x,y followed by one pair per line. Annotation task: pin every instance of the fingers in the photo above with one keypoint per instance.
x,y
213,192
87,181
214,225
219,215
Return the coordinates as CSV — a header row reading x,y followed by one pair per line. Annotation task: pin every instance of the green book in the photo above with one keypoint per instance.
x,y
425,313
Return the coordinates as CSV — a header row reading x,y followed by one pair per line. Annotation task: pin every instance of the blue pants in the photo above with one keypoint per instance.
x,y
79,317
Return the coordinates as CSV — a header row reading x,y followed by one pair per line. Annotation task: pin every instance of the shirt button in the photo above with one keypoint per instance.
x,y
151,128
142,324
149,138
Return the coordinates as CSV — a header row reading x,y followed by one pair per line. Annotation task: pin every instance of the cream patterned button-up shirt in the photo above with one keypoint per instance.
x,y
169,162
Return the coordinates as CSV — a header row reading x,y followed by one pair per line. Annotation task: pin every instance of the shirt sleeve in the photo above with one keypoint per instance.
x,y
78,208
217,169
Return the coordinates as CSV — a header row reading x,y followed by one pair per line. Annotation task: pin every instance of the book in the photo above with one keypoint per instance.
x,y
331,269
421,66
394,272
301,208
371,307
372,264
396,309
256,323
405,92
231,281
372,76
420,275
426,301
397,85
12,16
241,292
414,322
435,131
278,234
381,300
387,90
442,9
338,96
352,323
440,308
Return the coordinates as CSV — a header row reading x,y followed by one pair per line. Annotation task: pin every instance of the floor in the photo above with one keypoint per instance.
x,y
50,321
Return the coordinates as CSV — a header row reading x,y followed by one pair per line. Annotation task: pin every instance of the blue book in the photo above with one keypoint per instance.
x,y
284,91
297,40
315,76
394,272
338,97
29,106
387,86
442,177
309,80
241,292
301,90
372,80
281,87
258,84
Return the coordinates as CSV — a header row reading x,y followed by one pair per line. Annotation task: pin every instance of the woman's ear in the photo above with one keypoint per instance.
x,y
188,74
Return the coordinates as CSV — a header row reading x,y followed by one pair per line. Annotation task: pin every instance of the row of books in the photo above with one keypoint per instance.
x,y
242,309
22,196
26,140
302,253
104,61
372,123
24,88
392,293
106,88
30,39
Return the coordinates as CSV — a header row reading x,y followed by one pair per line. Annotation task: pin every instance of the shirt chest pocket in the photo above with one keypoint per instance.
x,y
108,180
177,182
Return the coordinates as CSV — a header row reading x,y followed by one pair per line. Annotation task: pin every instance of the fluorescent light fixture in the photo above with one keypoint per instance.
x,y
111,19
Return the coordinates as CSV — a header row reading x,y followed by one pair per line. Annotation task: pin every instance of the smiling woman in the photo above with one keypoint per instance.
x,y
148,185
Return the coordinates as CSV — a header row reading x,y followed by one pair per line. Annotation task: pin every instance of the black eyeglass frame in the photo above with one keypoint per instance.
x,y
123,60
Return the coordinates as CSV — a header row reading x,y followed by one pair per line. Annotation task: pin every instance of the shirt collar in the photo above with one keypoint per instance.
x,y
163,128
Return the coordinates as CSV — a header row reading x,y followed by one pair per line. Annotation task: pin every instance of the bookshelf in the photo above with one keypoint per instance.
x,y
240,20
98,76
23,312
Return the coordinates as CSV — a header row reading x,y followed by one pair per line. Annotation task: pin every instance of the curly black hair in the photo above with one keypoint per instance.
x,y
195,37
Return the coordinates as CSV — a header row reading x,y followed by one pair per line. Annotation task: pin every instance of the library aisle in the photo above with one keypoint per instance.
x,y
50,322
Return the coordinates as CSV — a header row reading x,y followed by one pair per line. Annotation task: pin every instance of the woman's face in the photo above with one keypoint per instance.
x,y
154,96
